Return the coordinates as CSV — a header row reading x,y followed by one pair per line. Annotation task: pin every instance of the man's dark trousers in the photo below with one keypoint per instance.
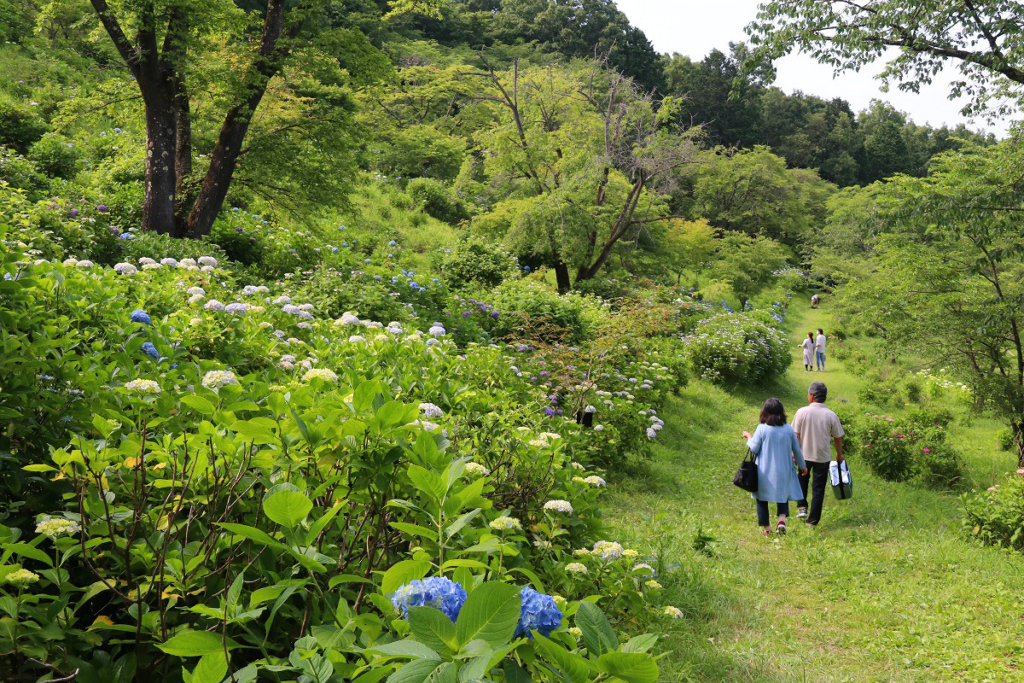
x,y
820,472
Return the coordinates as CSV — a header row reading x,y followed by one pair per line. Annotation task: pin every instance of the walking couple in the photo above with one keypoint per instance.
x,y
782,449
814,350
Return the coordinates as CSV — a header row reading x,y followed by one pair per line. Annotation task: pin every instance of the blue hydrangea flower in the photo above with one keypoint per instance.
x,y
150,350
538,613
392,243
437,591
140,316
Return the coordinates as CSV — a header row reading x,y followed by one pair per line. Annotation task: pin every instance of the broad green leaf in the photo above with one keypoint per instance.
x,y
641,643
490,614
632,667
346,578
211,668
456,526
515,673
189,643
572,666
392,414
415,530
415,671
433,628
251,533
427,482
402,573
29,551
287,508
200,404
405,648
598,634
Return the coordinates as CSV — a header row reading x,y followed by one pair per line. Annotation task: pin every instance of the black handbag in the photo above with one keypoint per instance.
x,y
746,475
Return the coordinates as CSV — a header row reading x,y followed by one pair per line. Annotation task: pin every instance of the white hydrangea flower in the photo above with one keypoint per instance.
x,y
608,550
476,468
430,410
558,505
146,261
169,262
57,526
347,318
356,339
673,612
437,331
214,305
142,386
215,379
125,269
151,266
506,524
595,480
187,263
576,568
320,373
290,309
282,300
236,308
208,261
85,263
193,291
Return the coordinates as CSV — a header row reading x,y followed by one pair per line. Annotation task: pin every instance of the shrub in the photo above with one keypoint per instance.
x,y
437,200
940,465
56,156
996,516
530,310
474,260
886,448
733,347
240,245
23,174
19,126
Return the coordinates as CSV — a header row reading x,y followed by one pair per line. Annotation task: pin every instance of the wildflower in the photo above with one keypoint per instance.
x,y
575,632
215,379
437,591
1021,471
208,261
506,524
125,269
321,374
595,481
236,308
57,526
538,612
143,386
150,350
576,568
140,316
21,578
430,410
673,612
558,506
214,305
477,469
608,550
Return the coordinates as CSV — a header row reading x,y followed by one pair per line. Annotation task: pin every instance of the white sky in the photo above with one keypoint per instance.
x,y
695,27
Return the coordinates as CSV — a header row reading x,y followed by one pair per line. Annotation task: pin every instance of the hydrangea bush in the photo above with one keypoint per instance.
x,y
737,348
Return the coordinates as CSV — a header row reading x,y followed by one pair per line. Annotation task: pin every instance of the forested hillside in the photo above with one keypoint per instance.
x,y
354,340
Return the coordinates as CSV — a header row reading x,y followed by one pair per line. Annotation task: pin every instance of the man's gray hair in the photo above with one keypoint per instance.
x,y
818,391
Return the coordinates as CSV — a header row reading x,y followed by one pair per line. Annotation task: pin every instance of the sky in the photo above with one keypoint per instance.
x,y
695,27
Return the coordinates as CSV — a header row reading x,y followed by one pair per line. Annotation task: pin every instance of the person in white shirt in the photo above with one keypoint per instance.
x,y
817,429
819,350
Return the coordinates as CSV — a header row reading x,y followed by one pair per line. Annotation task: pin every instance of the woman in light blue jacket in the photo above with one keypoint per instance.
x,y
776,448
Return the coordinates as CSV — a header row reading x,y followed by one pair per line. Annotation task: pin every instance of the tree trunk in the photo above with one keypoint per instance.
x,y
562,276
1017,427
236,125
182,154
161,180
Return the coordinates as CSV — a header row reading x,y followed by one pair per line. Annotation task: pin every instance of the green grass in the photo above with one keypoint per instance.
x,y
887,588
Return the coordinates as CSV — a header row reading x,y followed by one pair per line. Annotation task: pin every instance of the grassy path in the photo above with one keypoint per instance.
x,y
886,589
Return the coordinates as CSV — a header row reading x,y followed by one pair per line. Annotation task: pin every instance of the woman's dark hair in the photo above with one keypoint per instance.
x,y
810,335
772,413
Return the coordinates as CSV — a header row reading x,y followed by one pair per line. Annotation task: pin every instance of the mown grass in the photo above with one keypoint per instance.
x,y
888,588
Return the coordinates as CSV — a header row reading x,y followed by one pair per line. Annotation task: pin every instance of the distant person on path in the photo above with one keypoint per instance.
x,y
817,428
819,350
776,447
815,300
808,347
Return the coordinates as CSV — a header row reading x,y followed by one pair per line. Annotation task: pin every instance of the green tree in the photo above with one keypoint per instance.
x,y
165,45
748,264
984,38
581,162
752,191
842,250
949,276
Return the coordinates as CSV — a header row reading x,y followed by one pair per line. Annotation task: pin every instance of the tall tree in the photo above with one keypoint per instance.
x,y
983,38
161,43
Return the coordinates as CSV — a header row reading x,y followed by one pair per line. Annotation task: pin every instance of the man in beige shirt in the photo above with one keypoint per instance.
x,y
817,428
